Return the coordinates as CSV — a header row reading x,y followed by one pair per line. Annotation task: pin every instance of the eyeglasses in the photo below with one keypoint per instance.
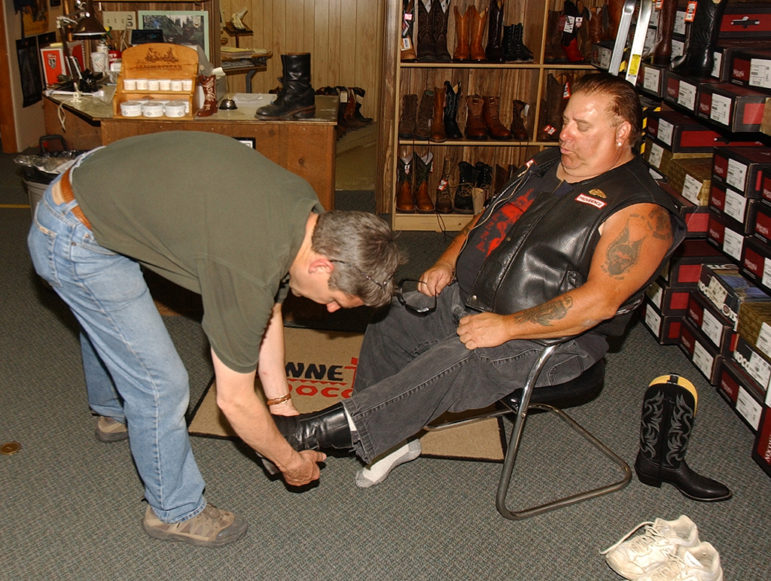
x,y
408,295
382,285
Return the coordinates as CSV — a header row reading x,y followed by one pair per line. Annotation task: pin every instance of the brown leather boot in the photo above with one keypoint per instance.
x,y
440,11
405,199
423,165
477,23
425,114
409,116
518,129
494,50
426,52
475,123
443,197
551,121
437,121
662,50
490,113
407,47
462,35
554,25
615,9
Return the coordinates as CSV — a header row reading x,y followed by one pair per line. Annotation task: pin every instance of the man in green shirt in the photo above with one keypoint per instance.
x,y
219,219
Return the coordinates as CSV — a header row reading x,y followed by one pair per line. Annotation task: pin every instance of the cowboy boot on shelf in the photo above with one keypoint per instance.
x,y
494,50
490,113
443,197
451,96
423,167
697,61
662,49
570,33
296,99
514,48
584,44
477,22
425,114
405,198
614,10
441,14
407,47
438,134
668,411
426,52
518,129
484,178
596,33
409,117
209,106
551,113
462,200
475,123
554,24
461,35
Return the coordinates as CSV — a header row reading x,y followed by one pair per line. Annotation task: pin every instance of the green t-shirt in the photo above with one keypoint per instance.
x,y
207,213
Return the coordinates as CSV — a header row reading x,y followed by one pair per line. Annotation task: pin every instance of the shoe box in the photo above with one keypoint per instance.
x,y
751,20
683,268
666,328
735,108
747,170
712,324
700,351
724,236
761,450
682,133
756,262
740,393
692,178
696,217
659,156
725,287
749,68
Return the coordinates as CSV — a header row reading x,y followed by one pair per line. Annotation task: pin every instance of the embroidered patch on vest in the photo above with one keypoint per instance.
x,y
597,193
590,201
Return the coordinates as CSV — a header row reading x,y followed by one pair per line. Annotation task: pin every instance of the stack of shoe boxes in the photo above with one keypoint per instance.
x,y
707,141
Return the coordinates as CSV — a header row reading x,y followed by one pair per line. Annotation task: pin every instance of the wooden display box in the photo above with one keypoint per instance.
x,y
156,63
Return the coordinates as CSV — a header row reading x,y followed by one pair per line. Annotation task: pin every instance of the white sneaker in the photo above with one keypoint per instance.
x,y
661,539
700,563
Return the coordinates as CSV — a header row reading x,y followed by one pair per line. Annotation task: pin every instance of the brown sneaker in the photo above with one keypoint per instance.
x,y
210,528
110,430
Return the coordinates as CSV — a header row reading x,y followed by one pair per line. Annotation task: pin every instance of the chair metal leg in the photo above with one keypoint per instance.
x,y
515,440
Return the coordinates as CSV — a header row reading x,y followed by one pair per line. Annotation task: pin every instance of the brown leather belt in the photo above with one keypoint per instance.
x,y
62,194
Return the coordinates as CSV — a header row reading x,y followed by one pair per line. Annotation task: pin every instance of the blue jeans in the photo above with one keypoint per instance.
x,y
133,372
413,368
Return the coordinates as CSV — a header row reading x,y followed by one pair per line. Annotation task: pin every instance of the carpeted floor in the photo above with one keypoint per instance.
x,y
71,506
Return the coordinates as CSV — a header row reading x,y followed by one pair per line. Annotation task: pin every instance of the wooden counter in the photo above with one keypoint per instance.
x,y
306,147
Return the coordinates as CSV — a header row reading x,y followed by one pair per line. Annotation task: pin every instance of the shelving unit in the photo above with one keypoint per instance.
x,y
509,81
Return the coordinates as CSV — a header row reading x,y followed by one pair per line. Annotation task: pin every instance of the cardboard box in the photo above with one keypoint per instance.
x,y
696,217
681,90
755,327
52,60
750,20
753,364
683,268
700,351
651,79
756,263
724,236
728,290
750,68
691,177
723,53
761,450
711,322
738,109
737,389
745,169
666,329
734,207
762,225
670,301
660,156
682,133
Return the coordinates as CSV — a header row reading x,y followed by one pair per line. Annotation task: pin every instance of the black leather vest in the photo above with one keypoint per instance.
x,y
548,251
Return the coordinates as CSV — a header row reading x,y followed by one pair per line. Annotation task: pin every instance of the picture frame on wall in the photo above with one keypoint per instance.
x,y
187,27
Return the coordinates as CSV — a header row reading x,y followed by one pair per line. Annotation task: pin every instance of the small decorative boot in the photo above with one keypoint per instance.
x,y
440,11
209,107
443,197
461,35
477,22
426,51
296,99
463,201
409,116
490,113
451,98
327,429
438,134
697,61
475,123
407,47
668,411
494,50
405,197
423,167
425,115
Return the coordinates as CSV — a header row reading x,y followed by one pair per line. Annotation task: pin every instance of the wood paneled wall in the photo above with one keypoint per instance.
x,y
344,38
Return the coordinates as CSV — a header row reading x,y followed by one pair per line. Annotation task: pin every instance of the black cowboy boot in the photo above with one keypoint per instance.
x,y
463,200
327,429
668,411
494,50
452,96
697,61
296,99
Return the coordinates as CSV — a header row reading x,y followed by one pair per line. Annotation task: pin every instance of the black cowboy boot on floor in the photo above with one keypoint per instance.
x,y
296,99
668,411
327,429
697,61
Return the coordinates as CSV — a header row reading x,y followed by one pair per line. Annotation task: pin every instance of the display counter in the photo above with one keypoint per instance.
x,y
305,147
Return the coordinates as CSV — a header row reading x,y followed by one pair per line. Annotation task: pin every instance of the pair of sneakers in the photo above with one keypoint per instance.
x,y
665,551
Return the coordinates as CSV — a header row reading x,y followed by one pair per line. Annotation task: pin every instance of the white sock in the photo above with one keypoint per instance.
x,y
379,470
351,425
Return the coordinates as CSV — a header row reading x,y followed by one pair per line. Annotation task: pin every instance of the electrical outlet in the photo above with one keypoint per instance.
x,y
119,20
